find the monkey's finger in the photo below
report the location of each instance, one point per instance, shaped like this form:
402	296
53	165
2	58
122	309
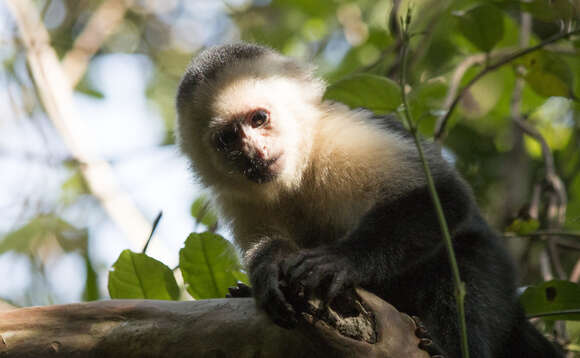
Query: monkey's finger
430	347
279	311
306	267
295	260
336	286
316	283
283	315
239	291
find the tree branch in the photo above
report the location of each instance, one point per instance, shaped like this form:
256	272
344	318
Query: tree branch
57	96
101	25
442	122
217	328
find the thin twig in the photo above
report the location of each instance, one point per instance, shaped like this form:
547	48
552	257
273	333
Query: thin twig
459	285
442	122
153	228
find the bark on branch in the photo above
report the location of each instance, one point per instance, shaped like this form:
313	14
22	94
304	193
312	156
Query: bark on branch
207	328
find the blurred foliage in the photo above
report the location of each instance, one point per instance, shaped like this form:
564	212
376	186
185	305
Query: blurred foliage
356	47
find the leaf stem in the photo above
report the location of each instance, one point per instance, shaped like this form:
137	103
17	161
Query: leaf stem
459	285
153	228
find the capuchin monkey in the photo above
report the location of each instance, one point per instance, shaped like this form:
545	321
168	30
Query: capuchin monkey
324	198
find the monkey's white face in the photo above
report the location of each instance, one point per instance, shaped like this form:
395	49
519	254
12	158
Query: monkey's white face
255	134
256	128
247	144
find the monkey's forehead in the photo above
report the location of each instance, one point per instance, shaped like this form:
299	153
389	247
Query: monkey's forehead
214	59
208	64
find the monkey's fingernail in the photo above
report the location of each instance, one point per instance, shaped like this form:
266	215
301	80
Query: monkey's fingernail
425	343
421	332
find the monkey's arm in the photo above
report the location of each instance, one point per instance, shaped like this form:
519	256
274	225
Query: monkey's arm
264	265
391	238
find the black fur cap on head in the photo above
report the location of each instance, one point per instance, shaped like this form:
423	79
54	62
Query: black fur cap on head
206	65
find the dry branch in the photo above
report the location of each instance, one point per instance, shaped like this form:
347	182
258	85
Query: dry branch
217	328
101	25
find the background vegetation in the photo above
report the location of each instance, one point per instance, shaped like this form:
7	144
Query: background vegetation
513	133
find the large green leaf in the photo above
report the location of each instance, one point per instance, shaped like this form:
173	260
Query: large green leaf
209	264
551	297
482	25
137	275
376	93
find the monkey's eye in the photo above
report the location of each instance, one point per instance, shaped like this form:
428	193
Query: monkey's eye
259	118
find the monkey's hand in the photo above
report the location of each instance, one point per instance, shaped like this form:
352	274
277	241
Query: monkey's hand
240	290
323	273
268	290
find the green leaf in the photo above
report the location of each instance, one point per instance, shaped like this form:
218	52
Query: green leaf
41	228
425	102
550	10
482	25
376	93
85	87
91	290
209	264
547	74
137	275
74	186
523	227
201	212
552	296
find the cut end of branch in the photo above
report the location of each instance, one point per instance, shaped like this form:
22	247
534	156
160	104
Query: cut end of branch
347	314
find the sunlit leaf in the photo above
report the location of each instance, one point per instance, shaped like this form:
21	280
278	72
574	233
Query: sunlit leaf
31	236
523	227
136	275
376	93
547	74
550	297
482	25
209	264
74	186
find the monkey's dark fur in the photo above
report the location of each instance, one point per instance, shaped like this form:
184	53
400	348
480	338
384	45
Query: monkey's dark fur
325	198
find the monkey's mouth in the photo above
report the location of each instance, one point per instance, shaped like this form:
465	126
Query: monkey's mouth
260	170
